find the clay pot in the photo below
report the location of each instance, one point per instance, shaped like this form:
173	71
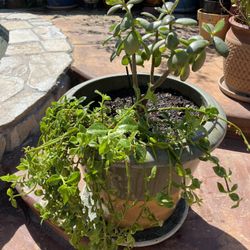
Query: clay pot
237	64
204	17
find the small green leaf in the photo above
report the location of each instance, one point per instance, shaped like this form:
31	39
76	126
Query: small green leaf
97	129
234	187
74	177
140	153
164	200
9	178
38	192
180	170
220	171
234	197
221	188
186	21
219	26
53	179
220	46
153	173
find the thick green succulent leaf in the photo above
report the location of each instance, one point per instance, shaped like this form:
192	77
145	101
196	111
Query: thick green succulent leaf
180	57
199	61
186	21
143	22
168	19
197	46
149	15
158	45
126	23
208	27
113	9
139	60
125	60
131	43
168	6
185	72
172	41
219	26
220	46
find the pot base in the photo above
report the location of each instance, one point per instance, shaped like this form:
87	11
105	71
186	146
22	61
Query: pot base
235	95
155	235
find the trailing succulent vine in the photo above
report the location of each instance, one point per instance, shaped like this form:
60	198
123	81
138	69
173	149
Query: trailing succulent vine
83	141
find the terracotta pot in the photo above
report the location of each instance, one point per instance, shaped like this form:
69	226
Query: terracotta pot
237	64
117	177
204	17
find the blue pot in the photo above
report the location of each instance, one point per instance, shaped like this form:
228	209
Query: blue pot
58	3
187	6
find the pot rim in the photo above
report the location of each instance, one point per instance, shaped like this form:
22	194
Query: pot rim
216	129
202	12
238	25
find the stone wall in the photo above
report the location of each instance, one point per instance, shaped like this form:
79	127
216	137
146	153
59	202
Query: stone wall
33	73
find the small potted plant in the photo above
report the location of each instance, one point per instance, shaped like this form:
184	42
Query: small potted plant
119	160
211	12
236	67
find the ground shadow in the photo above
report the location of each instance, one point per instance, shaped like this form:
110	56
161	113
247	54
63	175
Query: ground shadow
196	234
19	232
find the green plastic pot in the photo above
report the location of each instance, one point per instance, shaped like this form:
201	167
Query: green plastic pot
190	156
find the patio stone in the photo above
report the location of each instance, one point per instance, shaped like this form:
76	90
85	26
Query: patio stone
22	35
48	32
24	48
20	16
32	75
14	25
10	86
56	45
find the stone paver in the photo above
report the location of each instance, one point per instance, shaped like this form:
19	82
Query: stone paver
32	69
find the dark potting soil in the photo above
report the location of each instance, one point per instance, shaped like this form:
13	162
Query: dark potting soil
159	120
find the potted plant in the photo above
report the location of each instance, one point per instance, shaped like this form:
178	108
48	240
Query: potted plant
236	66
211	12
106	168
61	4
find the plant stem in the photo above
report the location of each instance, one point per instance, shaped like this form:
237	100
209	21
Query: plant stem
134	78
159	82
153	61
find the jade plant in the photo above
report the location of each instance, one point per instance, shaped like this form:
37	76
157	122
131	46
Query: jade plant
81	140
